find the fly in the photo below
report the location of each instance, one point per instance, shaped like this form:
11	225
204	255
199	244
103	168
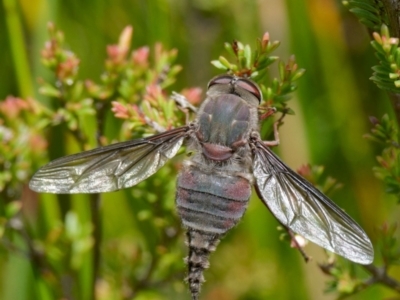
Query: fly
214	185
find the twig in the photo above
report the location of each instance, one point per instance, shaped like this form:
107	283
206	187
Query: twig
101	110
380	275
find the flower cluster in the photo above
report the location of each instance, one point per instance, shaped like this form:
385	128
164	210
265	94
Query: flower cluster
20	143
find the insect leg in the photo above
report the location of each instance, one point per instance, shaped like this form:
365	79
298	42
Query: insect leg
276	140
183	104
297	245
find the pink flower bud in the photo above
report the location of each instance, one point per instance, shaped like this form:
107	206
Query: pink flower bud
12	106
119	110
141	56
193	95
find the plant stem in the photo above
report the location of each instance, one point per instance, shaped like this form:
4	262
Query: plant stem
395	100
95	203
391	9
18	48
380	275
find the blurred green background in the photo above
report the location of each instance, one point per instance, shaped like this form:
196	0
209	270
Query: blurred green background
332	105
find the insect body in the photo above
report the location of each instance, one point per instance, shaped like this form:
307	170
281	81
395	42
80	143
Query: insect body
214	185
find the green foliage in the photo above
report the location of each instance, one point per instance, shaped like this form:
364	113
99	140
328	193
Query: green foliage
344	280
21	143
142	246
386	74
389	245
371	13
384	131
134	83
248	63
134	86
377	16
255	64
347	280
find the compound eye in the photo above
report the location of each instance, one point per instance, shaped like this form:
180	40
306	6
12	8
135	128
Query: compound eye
251	87
224	79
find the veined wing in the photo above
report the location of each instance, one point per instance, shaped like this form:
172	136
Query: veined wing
305	210
109	168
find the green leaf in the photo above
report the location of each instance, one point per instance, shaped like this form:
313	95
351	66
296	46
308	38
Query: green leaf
49	90
369	24
282	70
228	47
247	56
362	13
218	65
364	5
298	74
224	62
13	208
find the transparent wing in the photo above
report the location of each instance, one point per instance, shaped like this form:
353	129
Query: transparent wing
109	168
305	210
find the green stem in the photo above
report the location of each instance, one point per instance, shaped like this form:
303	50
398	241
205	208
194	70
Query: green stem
395	101
95	203
18	48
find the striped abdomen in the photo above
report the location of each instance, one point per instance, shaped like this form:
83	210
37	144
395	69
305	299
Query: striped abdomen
209	205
